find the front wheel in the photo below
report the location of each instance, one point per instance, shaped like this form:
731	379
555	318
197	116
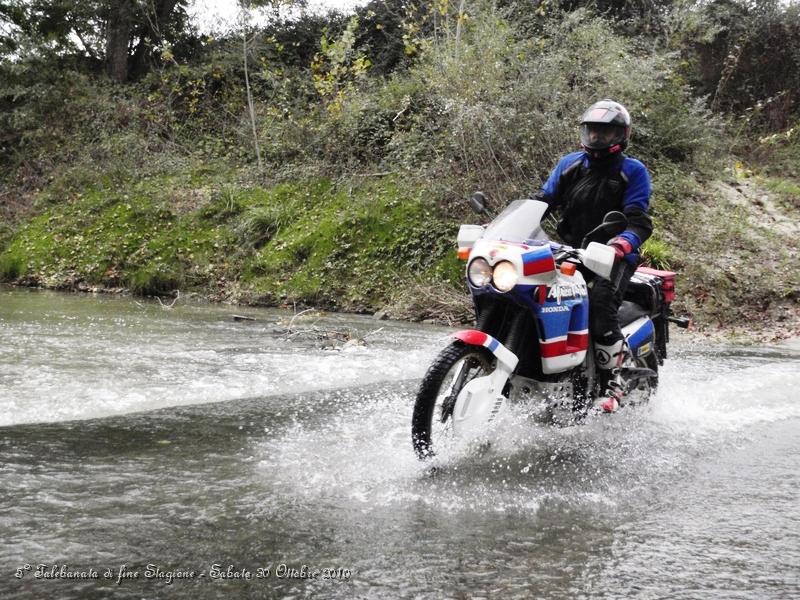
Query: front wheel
432	422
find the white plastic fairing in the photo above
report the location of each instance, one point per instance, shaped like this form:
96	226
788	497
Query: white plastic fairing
559	364
481	400
599	258
468	235
477	406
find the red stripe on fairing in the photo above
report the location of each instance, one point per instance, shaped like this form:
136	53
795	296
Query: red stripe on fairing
473	337
540	265
553	349
575	342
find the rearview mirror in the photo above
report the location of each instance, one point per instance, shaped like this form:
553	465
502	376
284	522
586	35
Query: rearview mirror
478	202
613	224
615	219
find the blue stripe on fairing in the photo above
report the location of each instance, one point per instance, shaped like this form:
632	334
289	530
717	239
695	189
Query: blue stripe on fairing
493	345
537	254
641	335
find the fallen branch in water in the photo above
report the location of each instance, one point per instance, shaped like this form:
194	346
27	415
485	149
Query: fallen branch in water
168	306
302	312
337	339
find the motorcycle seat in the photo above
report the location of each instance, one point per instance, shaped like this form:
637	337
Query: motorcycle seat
629	312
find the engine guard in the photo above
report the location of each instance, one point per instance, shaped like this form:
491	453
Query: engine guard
482	398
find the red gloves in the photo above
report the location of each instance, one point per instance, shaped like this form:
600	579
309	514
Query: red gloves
621	246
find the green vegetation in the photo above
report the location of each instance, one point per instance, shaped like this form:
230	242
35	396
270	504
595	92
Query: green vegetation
306	242
116	236
348	249
342	186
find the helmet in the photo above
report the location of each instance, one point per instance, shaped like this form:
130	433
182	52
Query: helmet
605	129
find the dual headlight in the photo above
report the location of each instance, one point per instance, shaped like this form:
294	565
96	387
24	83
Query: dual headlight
503	275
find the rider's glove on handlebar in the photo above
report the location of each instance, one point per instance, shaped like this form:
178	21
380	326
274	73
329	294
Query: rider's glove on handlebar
621	246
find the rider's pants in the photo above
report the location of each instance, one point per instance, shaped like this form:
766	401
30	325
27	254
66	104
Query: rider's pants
605	298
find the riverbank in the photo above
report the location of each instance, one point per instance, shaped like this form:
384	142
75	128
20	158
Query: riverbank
354	247
379	245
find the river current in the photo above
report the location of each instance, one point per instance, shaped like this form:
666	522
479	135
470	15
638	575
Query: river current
149	452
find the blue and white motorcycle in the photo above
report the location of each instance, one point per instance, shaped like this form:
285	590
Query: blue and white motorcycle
531	341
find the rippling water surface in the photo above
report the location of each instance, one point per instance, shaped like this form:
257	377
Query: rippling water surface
132	435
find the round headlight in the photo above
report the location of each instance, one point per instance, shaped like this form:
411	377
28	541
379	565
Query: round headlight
479	272
505	276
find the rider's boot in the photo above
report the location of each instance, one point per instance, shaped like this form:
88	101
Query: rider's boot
609	359
611	397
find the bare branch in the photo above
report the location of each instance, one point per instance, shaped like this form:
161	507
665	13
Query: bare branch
168	306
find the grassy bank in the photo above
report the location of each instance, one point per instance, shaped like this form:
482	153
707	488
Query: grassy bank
354	246
379	243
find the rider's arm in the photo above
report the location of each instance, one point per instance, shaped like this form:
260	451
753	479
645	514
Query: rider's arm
551	190
636	202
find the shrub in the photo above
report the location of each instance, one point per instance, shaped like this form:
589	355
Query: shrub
154	280
12	267
656	253
497	108
750	63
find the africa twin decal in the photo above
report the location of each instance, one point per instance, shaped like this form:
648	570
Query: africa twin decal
569	290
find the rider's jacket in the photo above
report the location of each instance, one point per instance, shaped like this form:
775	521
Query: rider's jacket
586	190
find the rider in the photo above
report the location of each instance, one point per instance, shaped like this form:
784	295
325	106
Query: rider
586	185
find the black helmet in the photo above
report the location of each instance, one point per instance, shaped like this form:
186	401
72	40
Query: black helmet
605	129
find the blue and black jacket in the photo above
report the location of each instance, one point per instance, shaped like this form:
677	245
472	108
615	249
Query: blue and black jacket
585	190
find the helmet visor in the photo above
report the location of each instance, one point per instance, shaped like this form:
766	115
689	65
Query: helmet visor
599	136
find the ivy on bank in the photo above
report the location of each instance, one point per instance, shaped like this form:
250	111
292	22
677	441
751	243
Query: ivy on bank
351	246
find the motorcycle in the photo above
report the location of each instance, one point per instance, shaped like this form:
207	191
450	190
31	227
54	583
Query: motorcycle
531	340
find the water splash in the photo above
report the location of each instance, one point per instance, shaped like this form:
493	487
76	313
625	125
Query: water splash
75	364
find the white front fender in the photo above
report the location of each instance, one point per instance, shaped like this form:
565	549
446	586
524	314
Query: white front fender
481	400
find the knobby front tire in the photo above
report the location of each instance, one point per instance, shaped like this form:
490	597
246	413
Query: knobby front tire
456	365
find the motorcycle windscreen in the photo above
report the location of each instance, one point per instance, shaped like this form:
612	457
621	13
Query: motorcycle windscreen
519	221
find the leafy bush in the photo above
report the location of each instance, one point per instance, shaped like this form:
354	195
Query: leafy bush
12	267
751	63
155	280
656	253
485	106
777	154
367	149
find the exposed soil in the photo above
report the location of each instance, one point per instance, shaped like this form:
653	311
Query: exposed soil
739	263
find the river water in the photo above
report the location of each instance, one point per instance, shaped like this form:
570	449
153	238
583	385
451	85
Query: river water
142	446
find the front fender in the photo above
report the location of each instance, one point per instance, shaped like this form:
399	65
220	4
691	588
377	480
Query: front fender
479	402
505	357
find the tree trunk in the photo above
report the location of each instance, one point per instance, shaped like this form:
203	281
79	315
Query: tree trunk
164	9
120	19
250	95
157	16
